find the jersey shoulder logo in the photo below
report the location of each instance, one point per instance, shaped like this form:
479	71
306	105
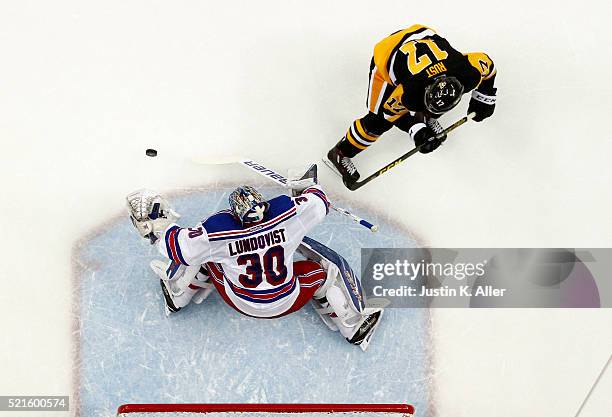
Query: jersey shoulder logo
481	62
484	66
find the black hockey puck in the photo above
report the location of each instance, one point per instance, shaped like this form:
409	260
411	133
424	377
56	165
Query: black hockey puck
151	152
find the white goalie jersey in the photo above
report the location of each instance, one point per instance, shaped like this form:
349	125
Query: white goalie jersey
256	262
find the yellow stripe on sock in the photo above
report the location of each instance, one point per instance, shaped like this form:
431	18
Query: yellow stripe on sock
363	132
353	142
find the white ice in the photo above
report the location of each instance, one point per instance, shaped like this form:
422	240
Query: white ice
86	87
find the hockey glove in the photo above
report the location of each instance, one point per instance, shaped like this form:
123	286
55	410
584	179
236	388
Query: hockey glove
435	125
298	180
150	213
424	138
482	104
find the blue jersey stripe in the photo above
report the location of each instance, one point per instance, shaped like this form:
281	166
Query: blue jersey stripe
240	236
167	241
319	194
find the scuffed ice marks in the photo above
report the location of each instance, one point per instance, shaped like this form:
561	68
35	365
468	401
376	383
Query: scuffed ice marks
130	352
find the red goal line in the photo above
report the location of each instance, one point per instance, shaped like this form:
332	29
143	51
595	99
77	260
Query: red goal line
401	409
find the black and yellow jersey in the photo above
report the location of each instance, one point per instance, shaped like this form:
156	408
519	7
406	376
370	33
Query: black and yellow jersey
409	59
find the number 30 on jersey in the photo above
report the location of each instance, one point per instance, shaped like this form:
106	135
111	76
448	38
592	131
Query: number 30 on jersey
271	264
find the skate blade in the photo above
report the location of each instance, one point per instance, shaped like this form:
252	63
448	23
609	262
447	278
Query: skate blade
331	166
366	342
348	184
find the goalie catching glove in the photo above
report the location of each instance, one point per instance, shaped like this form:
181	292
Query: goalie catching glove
150	213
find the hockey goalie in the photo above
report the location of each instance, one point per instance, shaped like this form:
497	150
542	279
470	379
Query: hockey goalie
247	254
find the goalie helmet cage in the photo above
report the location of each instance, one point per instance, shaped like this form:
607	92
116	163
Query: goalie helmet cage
298	410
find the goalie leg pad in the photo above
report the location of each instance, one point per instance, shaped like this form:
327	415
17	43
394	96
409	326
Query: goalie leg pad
349	282
181	284
202	284
340	300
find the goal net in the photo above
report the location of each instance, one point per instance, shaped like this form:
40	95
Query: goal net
266	410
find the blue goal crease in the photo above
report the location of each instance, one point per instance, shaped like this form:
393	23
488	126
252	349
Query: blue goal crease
130	352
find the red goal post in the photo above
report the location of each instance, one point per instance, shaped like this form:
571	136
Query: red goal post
362	410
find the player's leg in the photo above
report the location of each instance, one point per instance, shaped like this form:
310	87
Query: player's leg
339	301
217	279
365	131
310	276
181	285
361	134
336	306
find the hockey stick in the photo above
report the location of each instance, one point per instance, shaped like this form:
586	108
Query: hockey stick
358	184
277	178
281	180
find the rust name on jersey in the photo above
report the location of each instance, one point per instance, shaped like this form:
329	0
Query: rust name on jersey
435	69
252	244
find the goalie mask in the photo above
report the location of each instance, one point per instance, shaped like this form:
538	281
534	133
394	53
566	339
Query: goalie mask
150	213
443	94
248	205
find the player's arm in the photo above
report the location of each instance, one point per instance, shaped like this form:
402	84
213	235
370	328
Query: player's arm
309	198
312	206
484	95
186	246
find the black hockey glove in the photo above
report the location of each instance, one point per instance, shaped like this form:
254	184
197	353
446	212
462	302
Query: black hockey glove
483	104
424	138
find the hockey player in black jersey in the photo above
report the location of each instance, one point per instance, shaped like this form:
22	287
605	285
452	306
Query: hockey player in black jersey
415	77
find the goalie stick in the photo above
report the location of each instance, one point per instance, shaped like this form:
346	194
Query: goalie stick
277	178
281	180
358	184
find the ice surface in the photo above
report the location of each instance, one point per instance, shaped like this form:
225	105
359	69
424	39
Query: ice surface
131	353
